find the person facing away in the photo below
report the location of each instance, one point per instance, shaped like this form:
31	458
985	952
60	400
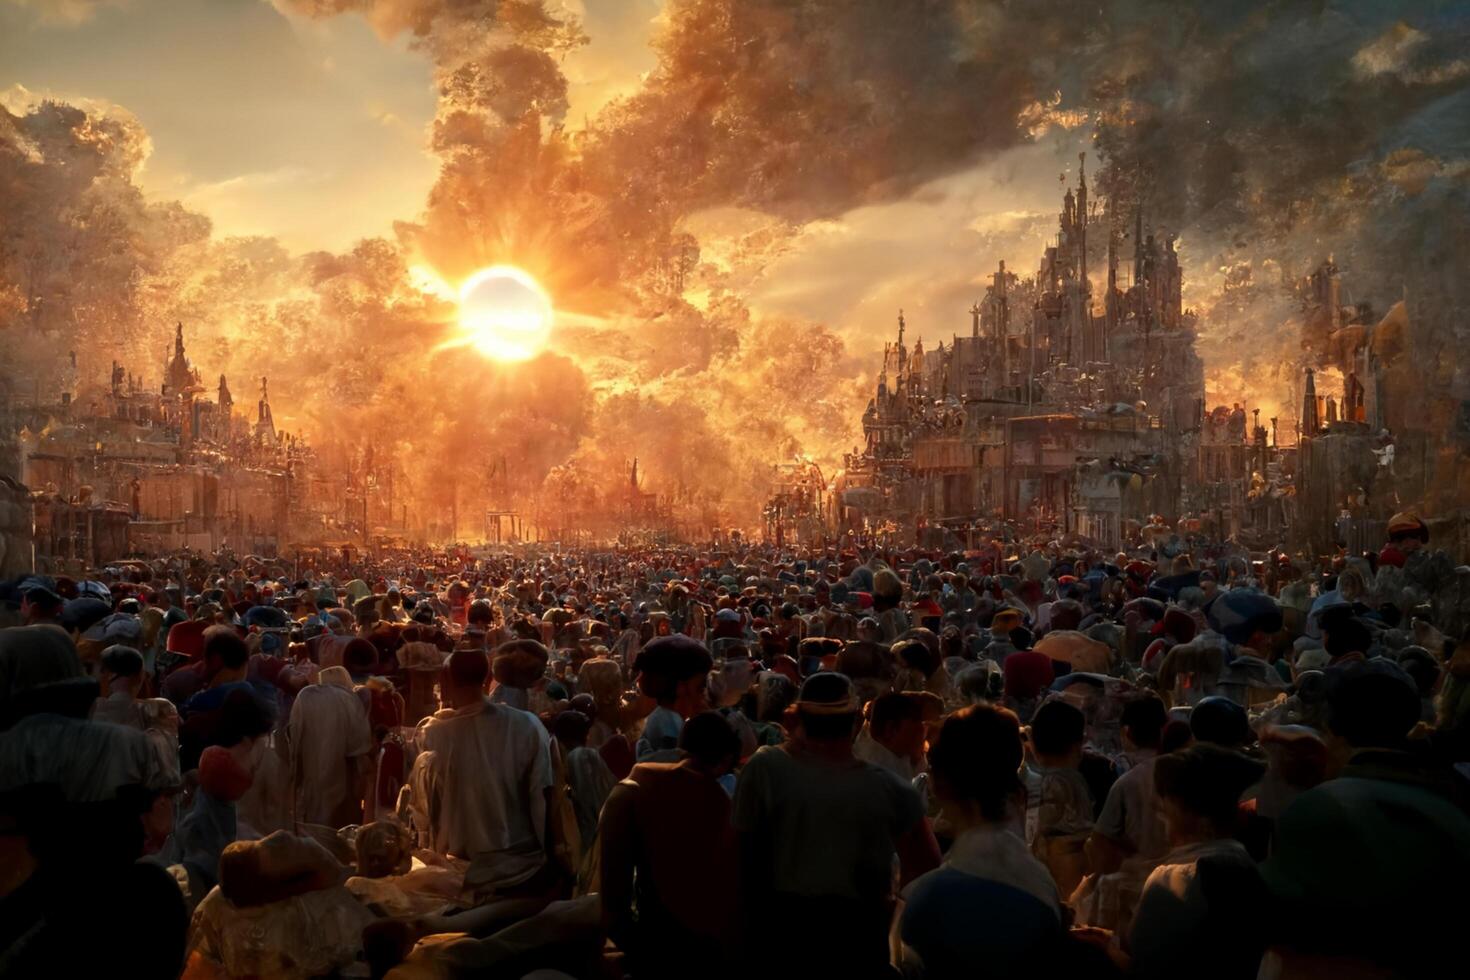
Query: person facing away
482	783
991	909
1130	824
589	780
1199	912
1059	812
670	876
820	834
1383	841
121	679
330	743
674	671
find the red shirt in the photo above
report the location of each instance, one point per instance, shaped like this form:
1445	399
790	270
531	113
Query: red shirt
687	847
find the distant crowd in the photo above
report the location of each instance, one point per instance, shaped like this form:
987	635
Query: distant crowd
756	761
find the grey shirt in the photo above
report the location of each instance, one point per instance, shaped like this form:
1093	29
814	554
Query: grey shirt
830	830
1130	815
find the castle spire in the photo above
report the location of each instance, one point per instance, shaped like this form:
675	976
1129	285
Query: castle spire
1311	422
1082	221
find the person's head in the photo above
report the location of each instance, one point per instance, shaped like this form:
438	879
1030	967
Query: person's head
1407	532
827	708
1058	730
1066	614
1177	625
480	614
674	671
896	721
366	613
1199	790
1209	586
1004	621
1421	667
1343	633
1142	722
887	589
121	670
39	604
1350	585
816	652
1175	736
916	655
1370	705
359	657
1220	721
571	729
710	743
1247	618
465	674
384	848
244	721
1021	638
975	761
223	649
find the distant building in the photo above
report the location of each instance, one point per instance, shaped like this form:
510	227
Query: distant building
1065	408
160	468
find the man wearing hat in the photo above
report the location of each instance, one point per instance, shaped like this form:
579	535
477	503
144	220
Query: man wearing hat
39	605
819	831
1406	535
1001	624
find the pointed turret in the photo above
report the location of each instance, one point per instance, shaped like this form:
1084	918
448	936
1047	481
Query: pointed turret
1311	422
1082	218
265	424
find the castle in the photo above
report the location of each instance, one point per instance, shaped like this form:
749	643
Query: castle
127	468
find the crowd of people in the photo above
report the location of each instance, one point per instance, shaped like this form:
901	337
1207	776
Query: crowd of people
1176	761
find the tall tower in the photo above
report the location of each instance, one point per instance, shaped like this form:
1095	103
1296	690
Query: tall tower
265	424
903	354
1082	221
1311	422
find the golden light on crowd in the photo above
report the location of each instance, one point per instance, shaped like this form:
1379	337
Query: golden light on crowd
505	314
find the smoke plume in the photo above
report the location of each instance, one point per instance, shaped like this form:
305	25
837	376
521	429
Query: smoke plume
1265	137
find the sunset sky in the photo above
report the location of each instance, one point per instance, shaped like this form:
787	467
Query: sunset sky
314	131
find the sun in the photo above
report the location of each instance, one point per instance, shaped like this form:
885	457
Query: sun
505	314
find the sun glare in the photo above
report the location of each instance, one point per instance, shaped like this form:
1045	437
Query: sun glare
505	314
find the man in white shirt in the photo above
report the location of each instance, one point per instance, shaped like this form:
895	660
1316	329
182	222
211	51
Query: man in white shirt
1130	824
482	783
330	744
